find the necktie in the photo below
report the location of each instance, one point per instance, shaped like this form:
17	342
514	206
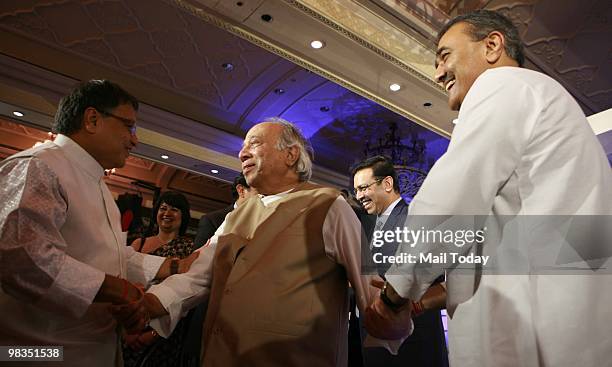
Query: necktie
379	223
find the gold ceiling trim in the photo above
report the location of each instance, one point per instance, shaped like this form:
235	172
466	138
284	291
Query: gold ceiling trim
288	55
362	35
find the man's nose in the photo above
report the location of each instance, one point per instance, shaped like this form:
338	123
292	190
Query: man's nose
440	74
243	154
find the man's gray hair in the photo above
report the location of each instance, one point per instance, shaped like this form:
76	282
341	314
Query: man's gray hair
292	136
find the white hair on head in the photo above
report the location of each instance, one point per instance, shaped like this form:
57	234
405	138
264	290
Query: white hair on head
292	136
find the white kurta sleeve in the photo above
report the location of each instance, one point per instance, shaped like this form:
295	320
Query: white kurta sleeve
495	123
344	238
181	292
141	268
34	264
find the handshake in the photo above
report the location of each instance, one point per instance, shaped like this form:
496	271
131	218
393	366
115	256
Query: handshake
386	320
132	313
131	306
389	317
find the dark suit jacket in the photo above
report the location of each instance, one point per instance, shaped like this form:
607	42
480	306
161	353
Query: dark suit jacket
426	346
209	224
397	218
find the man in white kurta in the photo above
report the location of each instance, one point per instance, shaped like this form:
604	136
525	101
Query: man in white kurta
521	147
61	243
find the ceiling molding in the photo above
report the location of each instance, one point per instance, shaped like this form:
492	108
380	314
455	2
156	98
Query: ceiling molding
398	45
439	121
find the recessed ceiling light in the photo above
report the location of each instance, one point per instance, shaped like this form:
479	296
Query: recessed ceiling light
279	91
163	156
395	87
18	114
316	44
215	171
227	66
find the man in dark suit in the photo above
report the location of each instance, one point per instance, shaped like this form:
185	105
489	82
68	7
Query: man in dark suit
377	189
211	221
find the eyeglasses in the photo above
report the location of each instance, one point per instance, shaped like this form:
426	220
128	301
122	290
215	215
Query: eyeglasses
129	123
365	187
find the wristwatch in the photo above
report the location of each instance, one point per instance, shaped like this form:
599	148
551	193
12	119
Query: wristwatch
395	306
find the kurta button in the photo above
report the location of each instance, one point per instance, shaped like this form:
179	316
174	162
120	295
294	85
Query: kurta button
228	291
217	331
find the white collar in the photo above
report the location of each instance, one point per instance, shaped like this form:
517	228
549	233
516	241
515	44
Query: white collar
80	156
391	207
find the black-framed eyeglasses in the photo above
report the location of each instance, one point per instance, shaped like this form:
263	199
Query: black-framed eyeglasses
365	187
129	123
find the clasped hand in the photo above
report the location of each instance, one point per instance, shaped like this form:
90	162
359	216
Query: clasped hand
133	314
384	323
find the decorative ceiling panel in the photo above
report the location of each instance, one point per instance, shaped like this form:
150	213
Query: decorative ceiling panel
175	50
570	40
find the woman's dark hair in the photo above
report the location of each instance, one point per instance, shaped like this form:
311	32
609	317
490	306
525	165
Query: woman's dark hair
177	200
103	95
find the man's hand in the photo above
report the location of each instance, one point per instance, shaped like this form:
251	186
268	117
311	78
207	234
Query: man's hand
185	263
133	315
138	342
118	291
384	323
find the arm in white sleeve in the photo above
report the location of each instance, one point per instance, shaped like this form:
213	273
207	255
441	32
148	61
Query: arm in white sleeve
34	264
485	150
181	292
343	239
141	268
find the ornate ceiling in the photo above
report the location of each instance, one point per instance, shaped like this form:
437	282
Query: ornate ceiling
206	70
568	40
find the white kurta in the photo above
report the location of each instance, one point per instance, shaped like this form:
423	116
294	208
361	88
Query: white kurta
521	146
60	232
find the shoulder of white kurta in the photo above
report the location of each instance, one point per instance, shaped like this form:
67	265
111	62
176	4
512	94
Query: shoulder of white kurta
508	81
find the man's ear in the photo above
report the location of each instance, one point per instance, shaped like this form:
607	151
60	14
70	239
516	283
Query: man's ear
494	46
388	184
292	155
91	119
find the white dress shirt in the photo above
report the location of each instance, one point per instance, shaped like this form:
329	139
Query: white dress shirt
382	218
60	233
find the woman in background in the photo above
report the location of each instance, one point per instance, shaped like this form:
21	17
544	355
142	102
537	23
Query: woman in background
172	217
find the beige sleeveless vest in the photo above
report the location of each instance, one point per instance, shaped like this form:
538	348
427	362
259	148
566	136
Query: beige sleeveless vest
277	299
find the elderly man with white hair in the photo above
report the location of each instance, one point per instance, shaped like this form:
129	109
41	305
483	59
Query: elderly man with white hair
277	271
